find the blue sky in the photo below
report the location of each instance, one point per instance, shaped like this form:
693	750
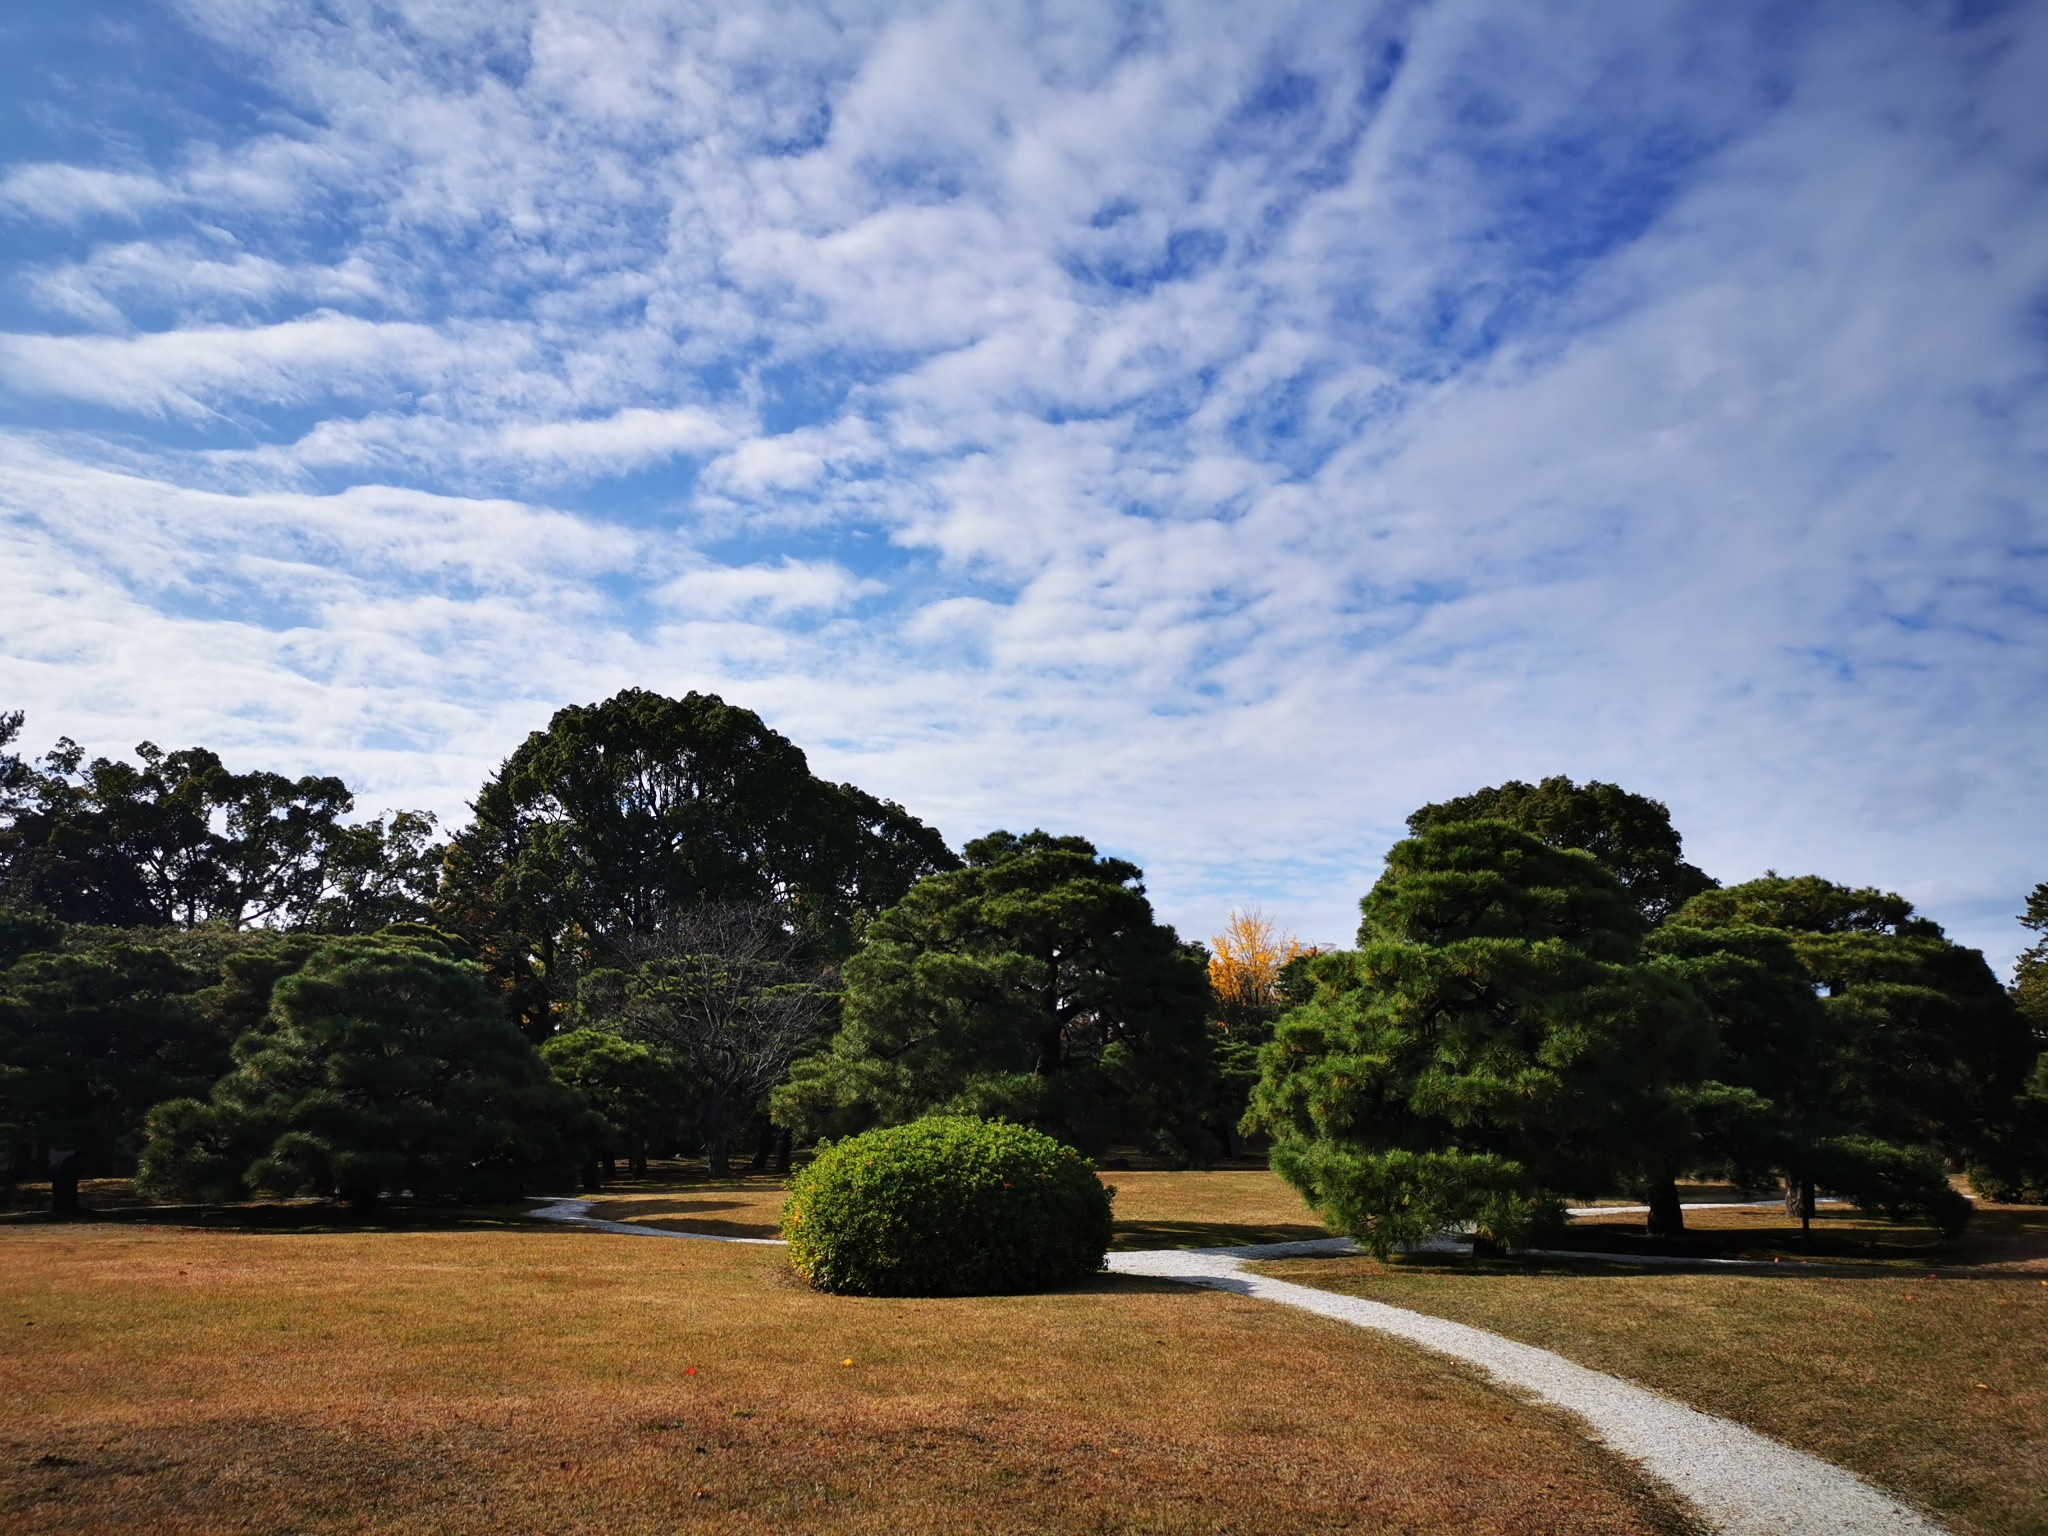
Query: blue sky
1215	429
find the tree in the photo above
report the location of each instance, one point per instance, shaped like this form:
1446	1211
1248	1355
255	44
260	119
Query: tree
1034	985
640	1092
2012	1164
385	1067
1631	835
2030	975
734	992
1495	1041
1248	964
88	1042
620	813
1761	1107
1921	1054
179	840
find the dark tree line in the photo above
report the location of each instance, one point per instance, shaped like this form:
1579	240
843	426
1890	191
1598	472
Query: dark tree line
661	930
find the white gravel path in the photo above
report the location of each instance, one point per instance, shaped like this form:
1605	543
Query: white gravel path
1739	1482
577	1214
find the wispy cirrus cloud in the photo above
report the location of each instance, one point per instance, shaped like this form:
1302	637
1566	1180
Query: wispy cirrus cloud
1214	429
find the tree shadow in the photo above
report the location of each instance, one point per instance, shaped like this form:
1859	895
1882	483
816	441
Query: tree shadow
1211	1234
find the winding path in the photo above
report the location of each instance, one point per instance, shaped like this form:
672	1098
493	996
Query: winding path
1740	1482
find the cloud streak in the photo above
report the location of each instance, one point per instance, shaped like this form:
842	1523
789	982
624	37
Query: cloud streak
1214	429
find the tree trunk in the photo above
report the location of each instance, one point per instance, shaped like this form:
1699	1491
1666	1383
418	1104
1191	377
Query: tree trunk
64	1187
783	1139
638	1162
611	1166
361	1202
1667	1216
592	1179
1799	1200
764	1148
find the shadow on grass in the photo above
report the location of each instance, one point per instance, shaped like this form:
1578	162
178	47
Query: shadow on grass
296	1216
1995	1235
1210	1234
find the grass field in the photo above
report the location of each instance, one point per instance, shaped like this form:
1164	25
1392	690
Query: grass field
283	1369
1155	1208
516	1379
1930	1381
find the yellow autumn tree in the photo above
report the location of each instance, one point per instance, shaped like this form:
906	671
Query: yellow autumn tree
1244	971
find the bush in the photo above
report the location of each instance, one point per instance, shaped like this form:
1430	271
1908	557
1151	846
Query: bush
947	1206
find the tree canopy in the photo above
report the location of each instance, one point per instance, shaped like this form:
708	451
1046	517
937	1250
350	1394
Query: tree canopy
88	1042
384	1067
177	839
1630	834
624	811
1033	985
1919	1053
1494	1042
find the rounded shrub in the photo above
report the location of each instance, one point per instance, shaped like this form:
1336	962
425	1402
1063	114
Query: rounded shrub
946	1206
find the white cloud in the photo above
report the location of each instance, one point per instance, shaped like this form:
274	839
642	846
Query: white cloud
1216	430
65	194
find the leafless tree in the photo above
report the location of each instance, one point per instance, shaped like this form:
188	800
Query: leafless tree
737	991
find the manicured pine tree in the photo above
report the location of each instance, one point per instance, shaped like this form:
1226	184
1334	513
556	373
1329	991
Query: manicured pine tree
382	1068
1035	985
1495	1041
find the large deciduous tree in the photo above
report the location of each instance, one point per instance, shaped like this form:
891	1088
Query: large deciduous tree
1033	985
178	840
1495	1041
1249	966
1630	834
620	813
734	992
382	1068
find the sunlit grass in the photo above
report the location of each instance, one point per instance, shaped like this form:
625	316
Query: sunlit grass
518	1379
1934	1387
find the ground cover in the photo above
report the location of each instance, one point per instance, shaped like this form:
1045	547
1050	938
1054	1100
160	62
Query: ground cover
511	1379
1930	1381
1840	1233
1155	1207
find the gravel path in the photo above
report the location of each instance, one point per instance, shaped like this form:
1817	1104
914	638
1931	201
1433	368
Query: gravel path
1739	1482
577	1214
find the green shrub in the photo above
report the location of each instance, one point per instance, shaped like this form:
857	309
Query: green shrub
947	1206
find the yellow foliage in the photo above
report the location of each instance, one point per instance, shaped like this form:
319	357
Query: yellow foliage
1245	962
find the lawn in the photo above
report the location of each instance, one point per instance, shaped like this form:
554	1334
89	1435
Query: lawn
1155	1208
513	1379
1930	1381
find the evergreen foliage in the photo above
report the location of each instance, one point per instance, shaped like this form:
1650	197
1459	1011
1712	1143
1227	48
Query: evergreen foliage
1034	985
384	1067
640	1093
947	1206
1495	1041
621	813
1922	1046
88	1042
178	840
1631	835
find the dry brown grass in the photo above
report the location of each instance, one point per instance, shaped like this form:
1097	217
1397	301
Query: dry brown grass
174	1380
1216	1207
1211	1208
1934	1387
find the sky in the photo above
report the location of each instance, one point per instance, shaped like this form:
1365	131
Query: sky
1213	429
